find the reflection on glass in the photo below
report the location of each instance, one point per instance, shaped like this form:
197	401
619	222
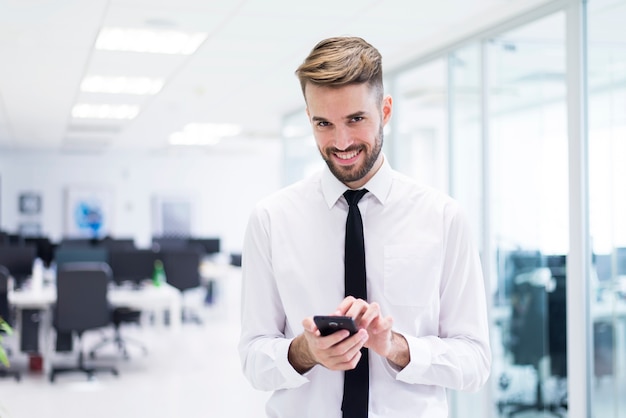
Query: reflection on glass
529	190
607	204
420	112
466	174
466	133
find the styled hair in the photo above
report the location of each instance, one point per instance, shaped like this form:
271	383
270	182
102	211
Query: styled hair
341	61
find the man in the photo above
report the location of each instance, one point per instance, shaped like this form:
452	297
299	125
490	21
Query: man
423	319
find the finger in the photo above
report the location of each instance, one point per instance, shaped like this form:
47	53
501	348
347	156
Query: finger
347	361
345	305
381	325
345	355
336	337
309	325
357	309
371	314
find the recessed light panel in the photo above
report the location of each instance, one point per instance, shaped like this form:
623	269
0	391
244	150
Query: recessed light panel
104	111
121	85
149	41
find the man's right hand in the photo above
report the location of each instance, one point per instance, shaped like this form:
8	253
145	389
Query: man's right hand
337	351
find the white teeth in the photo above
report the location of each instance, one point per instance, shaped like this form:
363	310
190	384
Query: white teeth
347	156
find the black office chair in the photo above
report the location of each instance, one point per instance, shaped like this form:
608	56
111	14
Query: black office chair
5	314
128	265
82	305
121	315
182	269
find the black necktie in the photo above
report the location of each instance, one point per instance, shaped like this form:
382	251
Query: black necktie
356	382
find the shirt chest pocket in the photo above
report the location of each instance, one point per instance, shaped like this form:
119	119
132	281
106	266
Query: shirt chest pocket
412	273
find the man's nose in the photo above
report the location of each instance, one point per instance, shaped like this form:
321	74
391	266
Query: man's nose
343	138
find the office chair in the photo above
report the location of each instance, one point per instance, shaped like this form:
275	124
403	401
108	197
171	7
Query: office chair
182	269
82	305
5	314
129	265
64	255
18	259
121	315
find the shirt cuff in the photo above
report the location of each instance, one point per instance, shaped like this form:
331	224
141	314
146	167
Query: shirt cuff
421	359
293	379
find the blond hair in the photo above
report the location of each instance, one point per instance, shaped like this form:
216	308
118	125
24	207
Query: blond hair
340	61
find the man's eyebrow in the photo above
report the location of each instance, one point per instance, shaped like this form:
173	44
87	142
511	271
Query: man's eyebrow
356	114
360	113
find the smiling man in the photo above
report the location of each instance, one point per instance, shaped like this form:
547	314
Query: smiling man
419	305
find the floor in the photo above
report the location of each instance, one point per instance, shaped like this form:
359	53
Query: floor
194	373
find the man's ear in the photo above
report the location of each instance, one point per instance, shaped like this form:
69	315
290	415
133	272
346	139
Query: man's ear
386	109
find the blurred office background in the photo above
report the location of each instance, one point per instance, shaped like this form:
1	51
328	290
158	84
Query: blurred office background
517	108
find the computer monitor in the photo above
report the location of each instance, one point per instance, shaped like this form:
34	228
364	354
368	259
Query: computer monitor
78	242
116	244
169	243
132	266
207	245
64	255
19	261
45	248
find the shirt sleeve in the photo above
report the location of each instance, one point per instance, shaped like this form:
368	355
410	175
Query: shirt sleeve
263	347
459	357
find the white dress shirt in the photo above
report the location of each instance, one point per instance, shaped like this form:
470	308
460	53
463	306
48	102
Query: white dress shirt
422	268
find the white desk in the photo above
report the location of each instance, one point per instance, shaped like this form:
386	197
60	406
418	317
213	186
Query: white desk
147	298
158	300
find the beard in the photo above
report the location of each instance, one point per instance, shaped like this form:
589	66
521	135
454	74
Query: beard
349	174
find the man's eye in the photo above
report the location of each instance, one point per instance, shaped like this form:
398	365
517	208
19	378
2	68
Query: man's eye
357	118
322	123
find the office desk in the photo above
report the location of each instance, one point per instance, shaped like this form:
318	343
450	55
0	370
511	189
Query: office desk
35	306
147	298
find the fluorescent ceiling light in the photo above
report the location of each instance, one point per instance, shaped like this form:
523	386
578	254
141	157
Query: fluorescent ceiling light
121	85
204	133
104	111
151	41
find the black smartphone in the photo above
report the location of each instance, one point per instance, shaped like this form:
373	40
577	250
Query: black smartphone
329	324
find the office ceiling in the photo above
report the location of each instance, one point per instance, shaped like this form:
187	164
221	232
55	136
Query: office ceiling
242	73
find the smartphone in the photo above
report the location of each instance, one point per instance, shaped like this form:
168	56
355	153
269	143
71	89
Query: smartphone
329	324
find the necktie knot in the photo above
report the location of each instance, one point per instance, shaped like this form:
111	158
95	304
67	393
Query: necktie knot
353	196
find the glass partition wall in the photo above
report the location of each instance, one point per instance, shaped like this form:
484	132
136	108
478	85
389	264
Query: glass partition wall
466	133
607	203
420	115
529	216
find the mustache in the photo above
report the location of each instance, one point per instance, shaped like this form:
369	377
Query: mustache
349	149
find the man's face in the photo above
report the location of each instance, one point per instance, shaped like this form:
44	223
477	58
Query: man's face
348	128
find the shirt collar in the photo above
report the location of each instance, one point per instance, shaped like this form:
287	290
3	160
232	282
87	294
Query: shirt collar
379	185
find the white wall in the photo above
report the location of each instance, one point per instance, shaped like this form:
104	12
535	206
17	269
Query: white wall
226	185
